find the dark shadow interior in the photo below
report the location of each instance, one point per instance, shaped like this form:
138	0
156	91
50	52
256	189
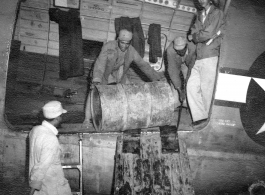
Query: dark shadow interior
33	80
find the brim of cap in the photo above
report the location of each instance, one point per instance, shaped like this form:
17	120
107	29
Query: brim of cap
179	47
125	39
51	116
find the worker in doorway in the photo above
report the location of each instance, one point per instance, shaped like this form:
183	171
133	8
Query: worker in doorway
201	82
115	59
46	175
180	56
113	63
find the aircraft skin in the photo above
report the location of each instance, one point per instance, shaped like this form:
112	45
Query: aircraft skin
223	158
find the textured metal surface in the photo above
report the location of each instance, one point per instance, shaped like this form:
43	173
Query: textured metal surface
150	171
7	15
122	107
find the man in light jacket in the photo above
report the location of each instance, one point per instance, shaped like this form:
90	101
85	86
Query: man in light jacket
46	175
200	85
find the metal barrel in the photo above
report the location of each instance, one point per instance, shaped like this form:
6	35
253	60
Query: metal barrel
134	106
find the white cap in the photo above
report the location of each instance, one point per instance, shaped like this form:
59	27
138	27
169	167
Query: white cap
125	35
180	43
53	109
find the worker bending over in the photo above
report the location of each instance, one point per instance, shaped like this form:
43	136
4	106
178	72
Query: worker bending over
113	63
180	57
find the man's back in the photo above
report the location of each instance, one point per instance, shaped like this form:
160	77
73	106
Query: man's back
45	170
42	138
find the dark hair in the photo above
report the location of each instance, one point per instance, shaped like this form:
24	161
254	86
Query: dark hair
49	119
41	117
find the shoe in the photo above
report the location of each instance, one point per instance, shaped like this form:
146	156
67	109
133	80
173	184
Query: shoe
200	124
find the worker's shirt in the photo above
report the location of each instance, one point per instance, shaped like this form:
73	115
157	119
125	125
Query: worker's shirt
106	63
203	31
117	73
183	58
45	170
174	62
205	13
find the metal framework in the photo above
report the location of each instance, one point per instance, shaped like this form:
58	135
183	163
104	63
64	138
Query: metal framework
78	166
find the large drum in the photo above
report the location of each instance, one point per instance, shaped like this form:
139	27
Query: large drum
122	107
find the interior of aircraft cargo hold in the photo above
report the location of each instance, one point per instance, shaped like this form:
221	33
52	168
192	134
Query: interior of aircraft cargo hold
132	97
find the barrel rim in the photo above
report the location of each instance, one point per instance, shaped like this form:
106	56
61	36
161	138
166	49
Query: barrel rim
97	127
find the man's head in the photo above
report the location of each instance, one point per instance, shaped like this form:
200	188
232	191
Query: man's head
124	39
205	3
53	111
180	43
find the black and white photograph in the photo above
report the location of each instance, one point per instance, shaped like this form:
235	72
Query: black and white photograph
132	97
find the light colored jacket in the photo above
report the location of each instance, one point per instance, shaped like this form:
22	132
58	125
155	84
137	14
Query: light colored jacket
106	62
45	170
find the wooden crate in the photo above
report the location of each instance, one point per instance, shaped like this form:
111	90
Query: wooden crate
39	4
95	9
34	14
34	24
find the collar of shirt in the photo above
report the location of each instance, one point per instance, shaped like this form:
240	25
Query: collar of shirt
207	11
184	57
120	57
50	126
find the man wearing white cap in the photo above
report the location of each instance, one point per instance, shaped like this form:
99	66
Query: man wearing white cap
113	63
180	56
115	59
46	175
